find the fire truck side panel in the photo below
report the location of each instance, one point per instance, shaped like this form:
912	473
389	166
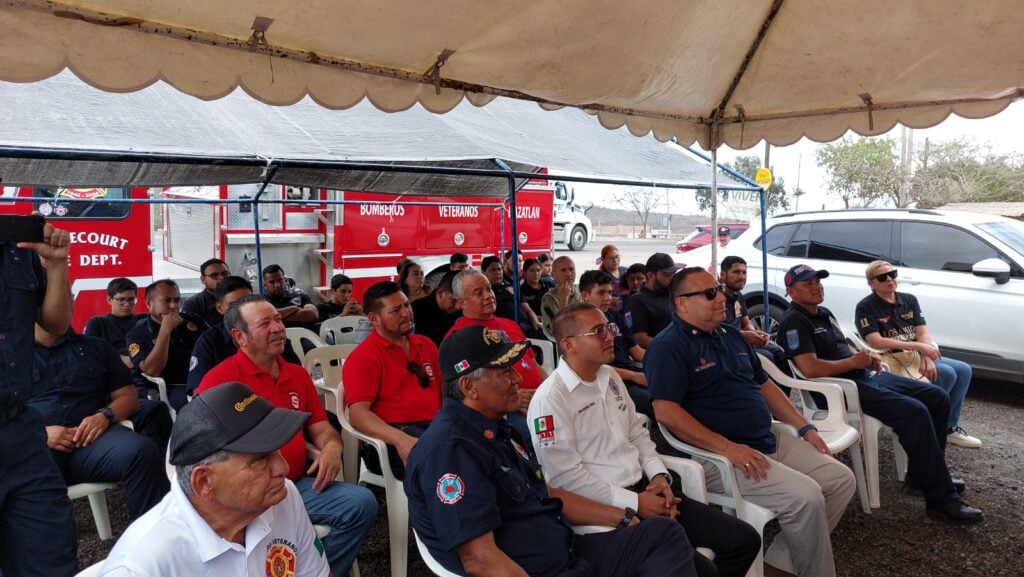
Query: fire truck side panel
108	240
534	212
457	227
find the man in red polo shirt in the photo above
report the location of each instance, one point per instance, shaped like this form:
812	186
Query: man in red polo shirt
473	292
348	509
392	379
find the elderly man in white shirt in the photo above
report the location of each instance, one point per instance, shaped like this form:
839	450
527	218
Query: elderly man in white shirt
232	511
590	440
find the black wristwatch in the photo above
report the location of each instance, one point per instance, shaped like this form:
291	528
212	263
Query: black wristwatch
108	413
627	517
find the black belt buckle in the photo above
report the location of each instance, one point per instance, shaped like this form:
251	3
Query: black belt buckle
8	413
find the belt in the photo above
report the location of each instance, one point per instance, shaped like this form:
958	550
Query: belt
8	413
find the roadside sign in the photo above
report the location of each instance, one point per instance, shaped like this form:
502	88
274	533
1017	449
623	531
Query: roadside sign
763	177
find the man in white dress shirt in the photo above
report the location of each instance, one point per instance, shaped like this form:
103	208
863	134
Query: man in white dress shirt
590	441
232	510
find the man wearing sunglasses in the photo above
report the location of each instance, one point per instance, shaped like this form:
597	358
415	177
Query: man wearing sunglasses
890	320
708	387
916	411
391	380
591	441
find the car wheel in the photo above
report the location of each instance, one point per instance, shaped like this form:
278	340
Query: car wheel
577	238
756	314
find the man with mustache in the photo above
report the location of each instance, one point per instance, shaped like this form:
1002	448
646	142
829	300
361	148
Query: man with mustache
348	509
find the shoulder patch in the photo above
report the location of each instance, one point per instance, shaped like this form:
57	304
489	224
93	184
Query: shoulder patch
450	488
133	349
793	339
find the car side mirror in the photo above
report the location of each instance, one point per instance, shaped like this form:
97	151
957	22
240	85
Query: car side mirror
992	268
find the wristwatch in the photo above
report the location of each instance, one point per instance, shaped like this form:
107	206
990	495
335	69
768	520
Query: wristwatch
627	517
108	413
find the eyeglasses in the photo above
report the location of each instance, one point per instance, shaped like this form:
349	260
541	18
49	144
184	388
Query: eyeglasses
421	375
709	294
125	301
221	274
601	332
886	275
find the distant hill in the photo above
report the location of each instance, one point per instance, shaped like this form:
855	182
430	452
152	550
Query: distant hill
680	223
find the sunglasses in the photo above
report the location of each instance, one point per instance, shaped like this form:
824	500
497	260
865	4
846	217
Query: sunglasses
601	332
421	375
709	294
886	275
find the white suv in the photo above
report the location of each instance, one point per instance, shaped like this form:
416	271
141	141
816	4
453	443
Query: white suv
966	269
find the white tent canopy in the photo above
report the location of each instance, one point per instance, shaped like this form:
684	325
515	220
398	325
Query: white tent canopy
64	114
728	71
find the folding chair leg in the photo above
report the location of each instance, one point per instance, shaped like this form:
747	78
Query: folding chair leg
398	532
98	504
901	459
869	438
858	472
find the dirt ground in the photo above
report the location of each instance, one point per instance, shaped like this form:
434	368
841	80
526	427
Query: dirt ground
897	539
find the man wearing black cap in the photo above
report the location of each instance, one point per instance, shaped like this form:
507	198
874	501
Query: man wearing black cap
916	411
480	504
232	505
724	236
650	310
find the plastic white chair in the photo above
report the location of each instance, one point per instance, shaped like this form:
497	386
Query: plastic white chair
90	571
549	353
729	499
330	359
398	503
868	426
296	336
435	567
341	330
833	426
161	389
97	499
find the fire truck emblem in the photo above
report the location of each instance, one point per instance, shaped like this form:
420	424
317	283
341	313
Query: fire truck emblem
459	239
46	209
383	239
82	193
522	238
61	210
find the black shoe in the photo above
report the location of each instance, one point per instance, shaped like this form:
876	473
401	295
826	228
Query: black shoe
912	488
955	512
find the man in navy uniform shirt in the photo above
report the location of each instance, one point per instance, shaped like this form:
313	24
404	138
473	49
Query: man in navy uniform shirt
709	390
122	294
916	411
82	390
204	304
161	345
35	513
481	506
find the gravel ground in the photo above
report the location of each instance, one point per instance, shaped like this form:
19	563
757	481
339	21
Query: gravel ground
897	539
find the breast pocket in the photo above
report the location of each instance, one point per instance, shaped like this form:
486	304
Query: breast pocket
513	485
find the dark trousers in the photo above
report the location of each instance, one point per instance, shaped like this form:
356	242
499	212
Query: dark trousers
735	543
37	530
641	399
656	547
917	412
119	455
153	420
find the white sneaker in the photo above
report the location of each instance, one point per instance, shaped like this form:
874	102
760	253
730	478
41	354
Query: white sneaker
958	436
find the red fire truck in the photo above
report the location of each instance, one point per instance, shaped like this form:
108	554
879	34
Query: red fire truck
318	234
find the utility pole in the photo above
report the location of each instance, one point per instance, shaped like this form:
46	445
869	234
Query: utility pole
798	192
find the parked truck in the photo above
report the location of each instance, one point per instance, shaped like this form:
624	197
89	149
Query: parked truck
570	224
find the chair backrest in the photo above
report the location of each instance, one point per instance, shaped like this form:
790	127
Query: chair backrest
329	359
301	339
549	356
344	330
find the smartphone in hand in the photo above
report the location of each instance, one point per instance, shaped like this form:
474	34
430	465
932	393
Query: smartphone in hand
16	228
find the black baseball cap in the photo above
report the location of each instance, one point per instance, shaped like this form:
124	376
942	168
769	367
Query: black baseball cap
660	262
723	230
475	347
230	417
802	272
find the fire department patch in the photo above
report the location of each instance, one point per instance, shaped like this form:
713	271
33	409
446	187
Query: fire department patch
489	434
280	561
133	349
191	327
295	399
450	488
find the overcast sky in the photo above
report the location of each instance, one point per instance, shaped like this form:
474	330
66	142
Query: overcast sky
1004	133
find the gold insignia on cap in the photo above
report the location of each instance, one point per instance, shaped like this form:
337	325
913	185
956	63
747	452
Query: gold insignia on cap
509	355
492	337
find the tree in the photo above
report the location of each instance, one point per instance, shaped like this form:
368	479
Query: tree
863	171
775	200
963	171
642	199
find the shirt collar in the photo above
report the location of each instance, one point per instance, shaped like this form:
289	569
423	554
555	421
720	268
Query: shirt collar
900	300
573	380
474	420
210	545
822	311
692	331
249	368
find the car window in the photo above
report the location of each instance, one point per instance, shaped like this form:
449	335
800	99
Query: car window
798	246
851	241
934	246
69	203
776	239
